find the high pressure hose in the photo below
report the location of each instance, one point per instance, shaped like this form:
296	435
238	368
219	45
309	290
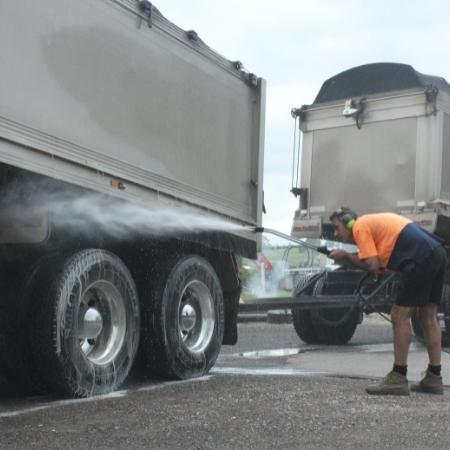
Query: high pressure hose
321	248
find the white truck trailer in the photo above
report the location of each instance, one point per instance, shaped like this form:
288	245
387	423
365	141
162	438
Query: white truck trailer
107	98
376	139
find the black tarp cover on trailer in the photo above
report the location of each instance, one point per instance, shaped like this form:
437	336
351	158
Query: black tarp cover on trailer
376	78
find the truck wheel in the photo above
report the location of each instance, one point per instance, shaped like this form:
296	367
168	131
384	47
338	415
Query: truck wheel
330	326
445	308
85	329
15	343
417	328
301	318
183	320
333	326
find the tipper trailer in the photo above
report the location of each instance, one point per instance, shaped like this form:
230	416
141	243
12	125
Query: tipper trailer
375	139
106	104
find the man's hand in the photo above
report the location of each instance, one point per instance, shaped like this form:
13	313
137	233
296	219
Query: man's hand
339	256
342	257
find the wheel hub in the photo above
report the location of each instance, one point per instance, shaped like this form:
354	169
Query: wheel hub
91	324
188	318
101	322
196	316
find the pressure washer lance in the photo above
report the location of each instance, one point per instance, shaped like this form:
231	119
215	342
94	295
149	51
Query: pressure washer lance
321	248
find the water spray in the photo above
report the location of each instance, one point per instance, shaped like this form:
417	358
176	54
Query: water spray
321	248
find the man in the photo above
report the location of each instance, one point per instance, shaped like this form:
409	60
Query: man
387	241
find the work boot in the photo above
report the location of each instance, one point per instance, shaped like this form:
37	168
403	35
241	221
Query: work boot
430	383
393	383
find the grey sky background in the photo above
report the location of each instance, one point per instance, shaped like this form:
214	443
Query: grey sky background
296	45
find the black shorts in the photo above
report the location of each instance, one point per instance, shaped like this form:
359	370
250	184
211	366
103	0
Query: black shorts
425	282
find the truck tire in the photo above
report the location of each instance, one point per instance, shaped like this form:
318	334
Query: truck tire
445	308
301	318
85	328
417	328
327	326
183	319
15	342
333	326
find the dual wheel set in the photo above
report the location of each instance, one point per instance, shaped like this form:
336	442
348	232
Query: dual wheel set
78	325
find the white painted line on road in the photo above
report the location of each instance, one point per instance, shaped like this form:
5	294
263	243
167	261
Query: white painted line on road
58	403
116	394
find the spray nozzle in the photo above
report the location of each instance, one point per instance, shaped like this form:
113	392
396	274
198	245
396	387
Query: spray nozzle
254	229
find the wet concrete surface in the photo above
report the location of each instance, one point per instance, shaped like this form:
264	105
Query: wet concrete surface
369	354
269	391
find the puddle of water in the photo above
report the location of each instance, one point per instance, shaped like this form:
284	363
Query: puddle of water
266	371
376	348
382	348
270	353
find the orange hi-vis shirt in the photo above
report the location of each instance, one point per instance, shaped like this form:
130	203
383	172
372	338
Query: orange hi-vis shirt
376	235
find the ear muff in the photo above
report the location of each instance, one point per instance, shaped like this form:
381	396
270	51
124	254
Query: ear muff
347	217
349	224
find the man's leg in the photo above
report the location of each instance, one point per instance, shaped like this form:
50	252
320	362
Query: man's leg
401	326
432	381
431	332
396	383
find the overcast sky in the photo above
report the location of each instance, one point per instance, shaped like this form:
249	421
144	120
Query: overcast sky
296	45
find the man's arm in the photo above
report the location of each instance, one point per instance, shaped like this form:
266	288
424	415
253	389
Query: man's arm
343	257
